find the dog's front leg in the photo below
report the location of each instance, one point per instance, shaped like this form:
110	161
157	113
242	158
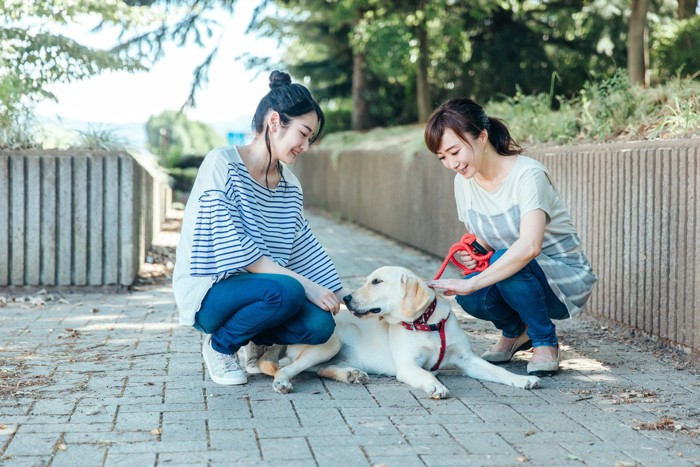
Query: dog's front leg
413	375
309	356
478	368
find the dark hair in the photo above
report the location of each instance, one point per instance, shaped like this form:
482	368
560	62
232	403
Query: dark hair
289	101
463	115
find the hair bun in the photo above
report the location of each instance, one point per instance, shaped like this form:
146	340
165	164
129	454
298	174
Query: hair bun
279	78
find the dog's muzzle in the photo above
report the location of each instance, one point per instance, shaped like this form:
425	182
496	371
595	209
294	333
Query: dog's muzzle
361	313
348	302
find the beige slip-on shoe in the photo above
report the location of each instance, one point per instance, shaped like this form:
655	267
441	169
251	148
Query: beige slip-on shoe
521	343
544	368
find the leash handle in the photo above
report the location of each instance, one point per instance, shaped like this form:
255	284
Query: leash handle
469	244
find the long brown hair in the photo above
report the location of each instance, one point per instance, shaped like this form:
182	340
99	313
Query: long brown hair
463	115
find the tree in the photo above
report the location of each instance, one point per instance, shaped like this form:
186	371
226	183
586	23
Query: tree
35	52
172	136
32	56
637	47
687	8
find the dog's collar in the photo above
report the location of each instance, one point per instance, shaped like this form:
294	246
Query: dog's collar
421	324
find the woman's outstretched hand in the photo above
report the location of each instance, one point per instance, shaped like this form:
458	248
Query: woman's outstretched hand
453	286
322	297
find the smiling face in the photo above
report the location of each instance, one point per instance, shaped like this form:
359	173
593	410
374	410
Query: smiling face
290	140
393	293
463	155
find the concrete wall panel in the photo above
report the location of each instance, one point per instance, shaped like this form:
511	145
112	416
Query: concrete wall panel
76	217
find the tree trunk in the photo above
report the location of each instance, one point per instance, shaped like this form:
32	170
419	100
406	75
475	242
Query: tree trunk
361	118
637	53
687	8
422	86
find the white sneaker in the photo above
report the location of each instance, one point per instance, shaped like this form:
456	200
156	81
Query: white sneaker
250	354
223	369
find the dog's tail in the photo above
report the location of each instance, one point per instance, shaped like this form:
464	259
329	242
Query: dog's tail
269	368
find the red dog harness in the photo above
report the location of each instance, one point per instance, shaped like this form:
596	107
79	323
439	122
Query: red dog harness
482	262
421	324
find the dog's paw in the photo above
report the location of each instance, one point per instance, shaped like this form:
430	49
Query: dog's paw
357	377
528	382
282	387
438	392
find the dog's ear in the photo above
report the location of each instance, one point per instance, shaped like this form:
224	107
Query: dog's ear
415	299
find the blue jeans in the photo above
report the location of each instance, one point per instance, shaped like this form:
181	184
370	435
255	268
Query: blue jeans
525	298
265	308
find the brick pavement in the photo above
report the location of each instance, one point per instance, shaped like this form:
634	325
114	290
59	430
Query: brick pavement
98	379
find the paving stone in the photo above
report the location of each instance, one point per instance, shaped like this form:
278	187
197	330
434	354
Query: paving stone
138	421
31	444
130	460
192	430
324	440
403	461
289	448
340	455
83	455
235	439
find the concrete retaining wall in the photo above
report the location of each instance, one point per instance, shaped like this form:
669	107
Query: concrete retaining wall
74	218
635	205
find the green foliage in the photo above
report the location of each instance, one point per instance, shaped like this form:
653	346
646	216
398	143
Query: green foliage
20	132
676	49
607	105
101	138
36	54
33	56
609	109
671	110
337	113
171	135
478	48
530	118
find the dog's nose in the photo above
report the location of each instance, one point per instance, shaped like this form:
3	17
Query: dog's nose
347	299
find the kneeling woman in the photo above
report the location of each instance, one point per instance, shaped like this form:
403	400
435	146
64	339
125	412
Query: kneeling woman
538	271
248	266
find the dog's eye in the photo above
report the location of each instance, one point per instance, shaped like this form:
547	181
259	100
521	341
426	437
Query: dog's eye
376	281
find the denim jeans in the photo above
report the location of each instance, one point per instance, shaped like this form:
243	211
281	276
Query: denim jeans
265	308
523	299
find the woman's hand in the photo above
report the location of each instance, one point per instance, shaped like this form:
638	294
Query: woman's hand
321	297
465	259
340	294
453	286
316	294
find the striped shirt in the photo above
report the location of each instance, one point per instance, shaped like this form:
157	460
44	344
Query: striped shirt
231	221
495	217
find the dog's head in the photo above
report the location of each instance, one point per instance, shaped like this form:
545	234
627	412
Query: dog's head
394	293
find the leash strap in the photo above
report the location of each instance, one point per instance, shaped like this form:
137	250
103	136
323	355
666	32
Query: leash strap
465	244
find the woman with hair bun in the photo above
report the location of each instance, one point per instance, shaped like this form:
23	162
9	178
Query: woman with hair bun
248	267
538	271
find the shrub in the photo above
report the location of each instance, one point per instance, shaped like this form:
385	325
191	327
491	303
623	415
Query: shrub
676	49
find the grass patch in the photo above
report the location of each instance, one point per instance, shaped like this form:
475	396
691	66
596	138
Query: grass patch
604	111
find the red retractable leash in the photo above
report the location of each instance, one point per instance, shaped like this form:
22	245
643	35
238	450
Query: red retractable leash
469	244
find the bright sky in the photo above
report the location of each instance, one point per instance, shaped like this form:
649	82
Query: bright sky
119	98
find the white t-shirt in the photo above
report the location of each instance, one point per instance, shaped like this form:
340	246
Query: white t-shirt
495	217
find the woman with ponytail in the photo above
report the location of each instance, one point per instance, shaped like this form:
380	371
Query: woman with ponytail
538	271
249	269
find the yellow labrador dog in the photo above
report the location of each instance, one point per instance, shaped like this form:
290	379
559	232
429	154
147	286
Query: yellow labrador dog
399	327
